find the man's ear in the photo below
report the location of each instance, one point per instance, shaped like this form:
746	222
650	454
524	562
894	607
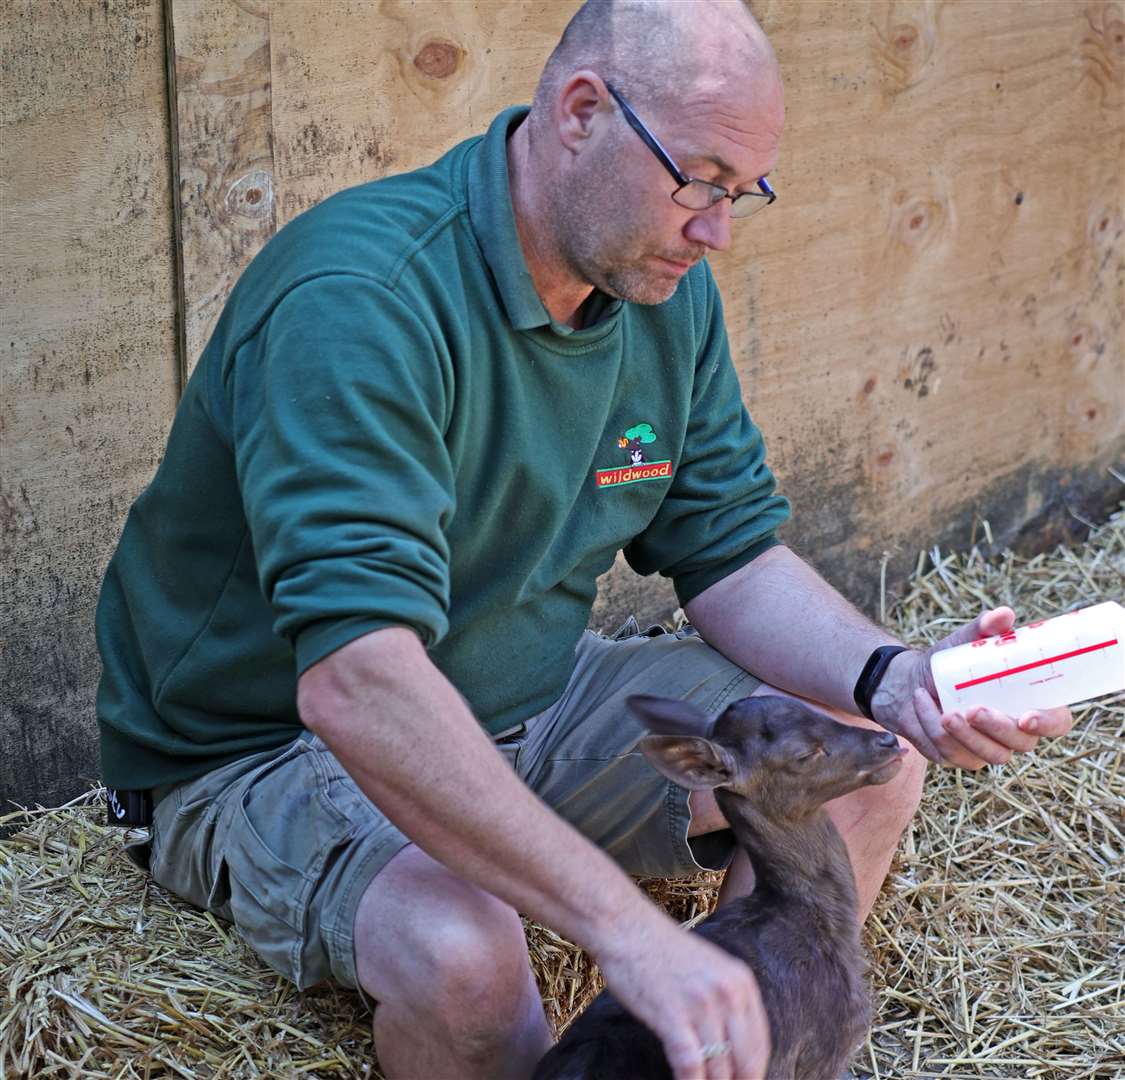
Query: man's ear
691	761
578	103
668	716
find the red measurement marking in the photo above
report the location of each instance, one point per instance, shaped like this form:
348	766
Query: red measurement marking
1035	664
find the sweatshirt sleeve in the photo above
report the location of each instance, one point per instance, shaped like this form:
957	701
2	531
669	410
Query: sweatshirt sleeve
338	406
722	509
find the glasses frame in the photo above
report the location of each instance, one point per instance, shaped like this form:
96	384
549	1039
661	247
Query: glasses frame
653	143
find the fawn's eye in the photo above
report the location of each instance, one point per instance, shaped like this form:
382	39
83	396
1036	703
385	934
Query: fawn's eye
811	753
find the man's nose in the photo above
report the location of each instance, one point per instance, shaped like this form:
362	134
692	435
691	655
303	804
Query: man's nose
710	227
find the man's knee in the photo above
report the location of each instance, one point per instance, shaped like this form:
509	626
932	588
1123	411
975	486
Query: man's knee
909	785
434	944
884	813
477	968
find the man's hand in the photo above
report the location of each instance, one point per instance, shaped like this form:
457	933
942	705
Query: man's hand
692	994
906	703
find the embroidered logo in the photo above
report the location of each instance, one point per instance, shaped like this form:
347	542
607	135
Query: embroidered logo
639	467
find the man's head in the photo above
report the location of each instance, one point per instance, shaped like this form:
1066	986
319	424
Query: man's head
703	79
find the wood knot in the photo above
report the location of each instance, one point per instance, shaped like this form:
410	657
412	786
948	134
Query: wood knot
1115	33
1087	343
905	37
1103	53
904	51
1104	224
438	59
251	195
918	220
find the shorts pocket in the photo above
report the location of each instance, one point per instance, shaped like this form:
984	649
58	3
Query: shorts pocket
187	850
283	831
511	748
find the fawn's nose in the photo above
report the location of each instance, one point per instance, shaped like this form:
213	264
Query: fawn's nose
887	739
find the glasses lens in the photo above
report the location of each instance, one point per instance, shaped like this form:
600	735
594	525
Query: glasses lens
749	202
698	195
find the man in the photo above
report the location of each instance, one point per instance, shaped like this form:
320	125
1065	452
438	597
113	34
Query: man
433	410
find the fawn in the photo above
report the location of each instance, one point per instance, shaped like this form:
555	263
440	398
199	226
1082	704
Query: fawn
773	762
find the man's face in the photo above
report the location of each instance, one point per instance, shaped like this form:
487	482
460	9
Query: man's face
618	226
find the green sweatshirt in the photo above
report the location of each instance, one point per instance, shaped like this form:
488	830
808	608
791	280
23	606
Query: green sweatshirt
388	429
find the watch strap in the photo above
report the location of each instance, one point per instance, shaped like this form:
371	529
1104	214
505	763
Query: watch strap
872	674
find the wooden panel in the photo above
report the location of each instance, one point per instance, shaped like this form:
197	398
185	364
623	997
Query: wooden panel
930	325
363	89
89	372
225	151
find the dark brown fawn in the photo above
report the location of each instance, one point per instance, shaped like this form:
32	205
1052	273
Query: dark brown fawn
773	764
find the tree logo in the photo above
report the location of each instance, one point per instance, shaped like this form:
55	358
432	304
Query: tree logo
633	438
639	467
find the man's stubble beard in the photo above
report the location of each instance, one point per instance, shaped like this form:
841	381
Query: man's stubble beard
603	247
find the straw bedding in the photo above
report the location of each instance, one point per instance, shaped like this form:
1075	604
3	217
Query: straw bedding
998	943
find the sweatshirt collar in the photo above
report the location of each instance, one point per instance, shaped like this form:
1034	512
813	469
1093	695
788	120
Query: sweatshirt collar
493	222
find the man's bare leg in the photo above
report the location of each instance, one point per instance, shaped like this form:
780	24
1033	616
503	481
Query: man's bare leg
447	965
871	821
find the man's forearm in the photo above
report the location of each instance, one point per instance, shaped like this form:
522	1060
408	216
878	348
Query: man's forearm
411	744
778	618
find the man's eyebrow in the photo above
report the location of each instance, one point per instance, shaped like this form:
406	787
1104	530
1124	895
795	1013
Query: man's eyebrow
725	167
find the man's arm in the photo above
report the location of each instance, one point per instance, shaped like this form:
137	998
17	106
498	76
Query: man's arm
408	739
778	618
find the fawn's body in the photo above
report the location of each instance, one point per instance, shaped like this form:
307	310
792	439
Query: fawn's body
773	764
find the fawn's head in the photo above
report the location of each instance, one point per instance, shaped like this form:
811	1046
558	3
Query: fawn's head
785	757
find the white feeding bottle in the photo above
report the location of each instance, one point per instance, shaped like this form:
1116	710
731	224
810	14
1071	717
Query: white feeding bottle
1059	661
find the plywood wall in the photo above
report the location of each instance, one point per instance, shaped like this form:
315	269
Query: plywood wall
928	323
89	380
930	328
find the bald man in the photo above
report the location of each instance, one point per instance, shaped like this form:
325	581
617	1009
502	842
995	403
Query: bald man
343	635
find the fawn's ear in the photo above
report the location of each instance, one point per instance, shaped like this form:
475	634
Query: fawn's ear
690	760
668	716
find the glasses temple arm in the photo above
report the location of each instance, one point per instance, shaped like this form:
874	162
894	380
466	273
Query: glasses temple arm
650	140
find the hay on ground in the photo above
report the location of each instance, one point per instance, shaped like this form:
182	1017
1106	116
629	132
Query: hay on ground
998	942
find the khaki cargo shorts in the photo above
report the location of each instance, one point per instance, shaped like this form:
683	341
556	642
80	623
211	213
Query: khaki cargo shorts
283	844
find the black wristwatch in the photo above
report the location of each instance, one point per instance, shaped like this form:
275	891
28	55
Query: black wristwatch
872	674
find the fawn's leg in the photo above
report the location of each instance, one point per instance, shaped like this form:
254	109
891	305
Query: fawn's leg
447	964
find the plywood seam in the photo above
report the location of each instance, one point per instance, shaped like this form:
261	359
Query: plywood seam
174	184
273	128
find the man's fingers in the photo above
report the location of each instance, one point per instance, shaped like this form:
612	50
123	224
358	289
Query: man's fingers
1049	723
721	1057
989	623
708	1053
1001	729
749	1038
949	747
994	622
946	747
719	1030
977	743
718	1059
928	727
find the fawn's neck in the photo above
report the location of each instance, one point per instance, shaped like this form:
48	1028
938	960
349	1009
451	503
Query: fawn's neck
801	861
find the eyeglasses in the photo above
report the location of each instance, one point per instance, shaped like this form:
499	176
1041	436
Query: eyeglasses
695	194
